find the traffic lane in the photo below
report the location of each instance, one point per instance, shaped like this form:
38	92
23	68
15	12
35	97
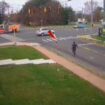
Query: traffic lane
3	40
76	32
29	34
85	56
63	47
88	52
95	59
32	37
98	49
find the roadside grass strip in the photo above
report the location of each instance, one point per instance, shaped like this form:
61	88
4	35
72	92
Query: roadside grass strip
25	61
88	37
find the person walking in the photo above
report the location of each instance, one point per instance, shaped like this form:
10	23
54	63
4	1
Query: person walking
74	47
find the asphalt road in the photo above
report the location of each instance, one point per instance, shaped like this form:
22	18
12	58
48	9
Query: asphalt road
89	55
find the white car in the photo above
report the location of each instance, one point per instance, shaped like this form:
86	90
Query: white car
43	31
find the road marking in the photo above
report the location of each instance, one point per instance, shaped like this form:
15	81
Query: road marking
46	40
49	40
61	38
68	38
10	37
86	44
80	45
94	51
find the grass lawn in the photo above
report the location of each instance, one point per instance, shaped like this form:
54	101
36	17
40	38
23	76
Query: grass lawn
45	85
102	38
19	53
48	84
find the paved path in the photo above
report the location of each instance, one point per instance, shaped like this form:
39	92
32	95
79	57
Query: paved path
79	71
25	61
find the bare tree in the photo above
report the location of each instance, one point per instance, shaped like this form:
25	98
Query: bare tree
3	7
90	6
98	14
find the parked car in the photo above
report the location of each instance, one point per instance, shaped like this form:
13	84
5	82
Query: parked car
9	27
80	25
2	31
43	31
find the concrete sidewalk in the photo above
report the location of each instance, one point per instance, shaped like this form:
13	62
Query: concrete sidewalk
79	71
25	61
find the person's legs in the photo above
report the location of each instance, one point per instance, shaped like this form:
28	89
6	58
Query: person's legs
73	52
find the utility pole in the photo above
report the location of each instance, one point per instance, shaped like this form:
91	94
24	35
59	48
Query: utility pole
92	12
104	8
82	13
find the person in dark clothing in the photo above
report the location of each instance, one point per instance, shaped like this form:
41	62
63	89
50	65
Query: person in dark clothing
99	31
74	47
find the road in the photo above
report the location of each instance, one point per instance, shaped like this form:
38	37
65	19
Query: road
89	55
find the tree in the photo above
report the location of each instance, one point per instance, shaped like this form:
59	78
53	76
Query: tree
98	14
68	15
89	8
45	12
3	7
41	12
79	15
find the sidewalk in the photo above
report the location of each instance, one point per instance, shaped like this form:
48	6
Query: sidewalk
25	61
79	71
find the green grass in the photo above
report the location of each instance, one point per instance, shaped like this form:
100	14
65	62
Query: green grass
42	84
101	38
19	53
45	85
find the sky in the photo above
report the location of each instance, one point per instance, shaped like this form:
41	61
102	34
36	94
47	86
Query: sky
79	4
75	4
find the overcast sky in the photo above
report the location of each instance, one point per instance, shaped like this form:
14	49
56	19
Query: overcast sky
75	4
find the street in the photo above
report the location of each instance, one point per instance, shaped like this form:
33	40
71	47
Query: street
89	55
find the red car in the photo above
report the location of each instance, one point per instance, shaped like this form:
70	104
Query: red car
2	31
